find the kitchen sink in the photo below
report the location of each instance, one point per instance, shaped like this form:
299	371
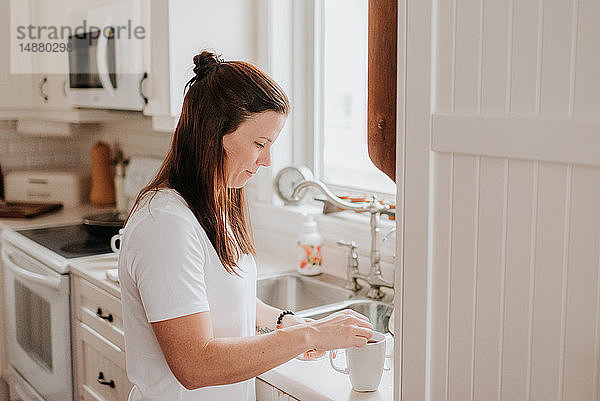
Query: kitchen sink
319	296
377	312
298	293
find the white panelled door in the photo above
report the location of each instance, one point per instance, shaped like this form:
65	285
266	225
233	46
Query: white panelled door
499	133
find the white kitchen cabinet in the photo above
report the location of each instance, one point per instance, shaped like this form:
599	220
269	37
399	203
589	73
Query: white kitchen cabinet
266	392
180	30
15	89
99	344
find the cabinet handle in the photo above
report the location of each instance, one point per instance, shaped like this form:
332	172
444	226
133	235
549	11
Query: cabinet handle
43	93
107	317
101	380
144	97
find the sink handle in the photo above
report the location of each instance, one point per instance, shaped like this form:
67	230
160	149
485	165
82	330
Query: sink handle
350	244
353	256
352	266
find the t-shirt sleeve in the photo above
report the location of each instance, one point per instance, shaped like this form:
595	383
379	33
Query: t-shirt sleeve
167	259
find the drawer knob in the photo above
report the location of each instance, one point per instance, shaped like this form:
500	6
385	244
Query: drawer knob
101	380
108	317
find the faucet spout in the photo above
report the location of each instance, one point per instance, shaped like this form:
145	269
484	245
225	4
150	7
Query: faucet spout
334	199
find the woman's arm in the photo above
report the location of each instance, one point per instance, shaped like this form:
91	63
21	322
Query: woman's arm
197	359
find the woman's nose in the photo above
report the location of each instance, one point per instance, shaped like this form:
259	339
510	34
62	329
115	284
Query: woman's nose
264	159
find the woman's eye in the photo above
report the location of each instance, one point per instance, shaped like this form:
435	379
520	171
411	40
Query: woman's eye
260	145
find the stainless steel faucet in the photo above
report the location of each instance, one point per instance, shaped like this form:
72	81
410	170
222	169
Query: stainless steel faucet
374	208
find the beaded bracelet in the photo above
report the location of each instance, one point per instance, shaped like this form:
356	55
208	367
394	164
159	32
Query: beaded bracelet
281	315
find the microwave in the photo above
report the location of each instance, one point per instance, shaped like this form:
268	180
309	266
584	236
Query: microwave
106	63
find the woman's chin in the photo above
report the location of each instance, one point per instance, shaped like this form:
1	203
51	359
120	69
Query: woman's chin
238	183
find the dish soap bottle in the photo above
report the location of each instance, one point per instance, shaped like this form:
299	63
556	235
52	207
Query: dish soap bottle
309	248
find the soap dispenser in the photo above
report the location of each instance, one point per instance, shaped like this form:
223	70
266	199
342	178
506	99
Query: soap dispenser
309	248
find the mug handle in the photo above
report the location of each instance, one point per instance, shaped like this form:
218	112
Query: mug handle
113	241
331	356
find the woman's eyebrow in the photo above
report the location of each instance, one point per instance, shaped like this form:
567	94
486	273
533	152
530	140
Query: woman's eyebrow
265	138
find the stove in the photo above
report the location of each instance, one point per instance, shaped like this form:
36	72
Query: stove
36	270
72	241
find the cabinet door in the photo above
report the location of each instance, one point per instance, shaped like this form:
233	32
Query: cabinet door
51	64
100	372
16	89
174	23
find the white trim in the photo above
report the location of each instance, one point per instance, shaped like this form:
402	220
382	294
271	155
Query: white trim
303	96
413	130
319	89
565	140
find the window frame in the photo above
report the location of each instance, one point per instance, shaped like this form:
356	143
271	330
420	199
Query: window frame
300	39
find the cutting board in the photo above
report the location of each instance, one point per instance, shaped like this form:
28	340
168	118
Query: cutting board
26	209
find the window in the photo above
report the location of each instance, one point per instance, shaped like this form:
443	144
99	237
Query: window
318	52
345	160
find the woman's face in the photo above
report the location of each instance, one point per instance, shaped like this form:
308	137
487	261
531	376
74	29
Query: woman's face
249	147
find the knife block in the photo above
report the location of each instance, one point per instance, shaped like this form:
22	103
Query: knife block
103	187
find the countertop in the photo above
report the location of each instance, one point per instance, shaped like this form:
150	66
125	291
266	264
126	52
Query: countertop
304	380
66	215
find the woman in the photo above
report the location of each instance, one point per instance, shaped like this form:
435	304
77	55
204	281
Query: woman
194	329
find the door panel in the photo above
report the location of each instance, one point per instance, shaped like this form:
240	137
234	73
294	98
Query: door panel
513	137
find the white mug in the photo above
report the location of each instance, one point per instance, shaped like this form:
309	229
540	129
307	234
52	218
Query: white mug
113	241
365	365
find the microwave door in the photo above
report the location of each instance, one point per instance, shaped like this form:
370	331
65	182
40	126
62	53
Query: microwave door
83	72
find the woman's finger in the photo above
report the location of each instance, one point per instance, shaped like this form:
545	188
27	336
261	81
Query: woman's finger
364	323
314	354
364	332
358	315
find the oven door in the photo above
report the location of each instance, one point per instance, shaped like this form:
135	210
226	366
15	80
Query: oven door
39	324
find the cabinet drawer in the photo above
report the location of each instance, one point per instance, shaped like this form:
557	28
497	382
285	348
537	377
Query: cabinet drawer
99	310
266	392
100	360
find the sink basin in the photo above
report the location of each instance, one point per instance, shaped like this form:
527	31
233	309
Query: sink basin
297	293
377	312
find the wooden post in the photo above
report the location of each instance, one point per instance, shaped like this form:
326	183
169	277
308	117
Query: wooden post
381	108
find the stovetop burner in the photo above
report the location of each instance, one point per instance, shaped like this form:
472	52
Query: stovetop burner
72	241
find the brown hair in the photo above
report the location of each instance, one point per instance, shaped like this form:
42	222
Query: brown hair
221	96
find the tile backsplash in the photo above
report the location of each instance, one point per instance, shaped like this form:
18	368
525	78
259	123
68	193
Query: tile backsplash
19	152
22	152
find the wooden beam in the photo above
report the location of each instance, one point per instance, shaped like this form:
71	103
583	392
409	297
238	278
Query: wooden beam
381	108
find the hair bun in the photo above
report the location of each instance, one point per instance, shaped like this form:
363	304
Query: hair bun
205	62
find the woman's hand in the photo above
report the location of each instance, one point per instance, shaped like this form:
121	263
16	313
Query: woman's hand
292	320
342	329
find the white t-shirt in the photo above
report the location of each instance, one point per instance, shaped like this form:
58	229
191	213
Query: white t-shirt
169	268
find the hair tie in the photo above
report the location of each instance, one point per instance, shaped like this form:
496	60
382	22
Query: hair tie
204	64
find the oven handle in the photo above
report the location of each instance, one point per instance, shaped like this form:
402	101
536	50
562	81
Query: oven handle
46	281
